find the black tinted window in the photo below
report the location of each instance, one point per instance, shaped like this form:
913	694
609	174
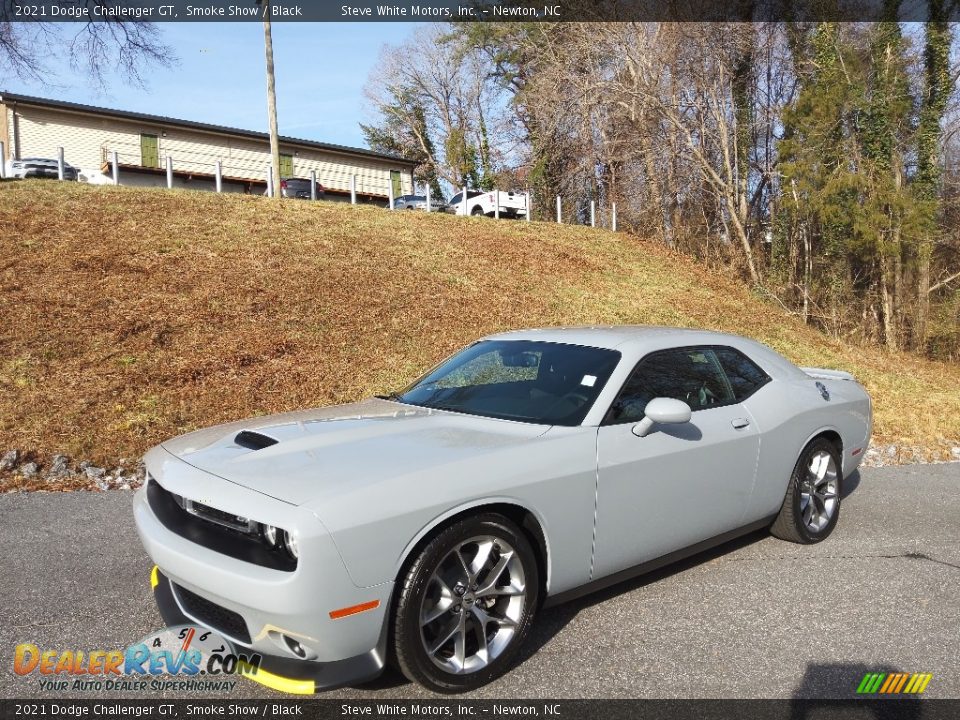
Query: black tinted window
692	375
744	375
456	198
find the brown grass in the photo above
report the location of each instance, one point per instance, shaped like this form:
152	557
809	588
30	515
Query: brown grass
128	316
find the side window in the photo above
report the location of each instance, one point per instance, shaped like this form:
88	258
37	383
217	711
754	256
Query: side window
744	375
693	375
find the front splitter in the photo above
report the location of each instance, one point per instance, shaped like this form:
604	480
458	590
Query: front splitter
287	675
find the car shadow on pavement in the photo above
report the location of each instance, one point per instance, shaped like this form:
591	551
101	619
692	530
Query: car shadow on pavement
849	485
551	621
825	690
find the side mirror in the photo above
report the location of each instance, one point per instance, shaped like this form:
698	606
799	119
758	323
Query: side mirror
662	411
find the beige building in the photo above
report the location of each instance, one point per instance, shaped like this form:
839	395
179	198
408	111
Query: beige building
37	127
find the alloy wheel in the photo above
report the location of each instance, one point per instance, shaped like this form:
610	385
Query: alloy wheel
473	604
818	491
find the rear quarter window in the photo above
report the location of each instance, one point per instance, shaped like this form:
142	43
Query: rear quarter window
745	376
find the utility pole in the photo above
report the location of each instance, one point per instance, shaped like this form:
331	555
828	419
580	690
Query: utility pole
271	98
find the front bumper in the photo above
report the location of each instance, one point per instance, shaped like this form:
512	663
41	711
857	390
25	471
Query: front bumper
258	608
299	677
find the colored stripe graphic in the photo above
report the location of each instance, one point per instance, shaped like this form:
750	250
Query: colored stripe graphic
894	683
891	680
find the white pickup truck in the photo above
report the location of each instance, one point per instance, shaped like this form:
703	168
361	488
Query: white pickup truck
480	202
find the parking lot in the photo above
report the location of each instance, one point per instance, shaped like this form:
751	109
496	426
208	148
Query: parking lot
755	618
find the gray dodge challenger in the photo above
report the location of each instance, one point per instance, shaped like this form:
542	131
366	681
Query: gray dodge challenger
427	527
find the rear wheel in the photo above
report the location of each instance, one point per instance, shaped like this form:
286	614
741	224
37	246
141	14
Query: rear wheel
466	605
811	507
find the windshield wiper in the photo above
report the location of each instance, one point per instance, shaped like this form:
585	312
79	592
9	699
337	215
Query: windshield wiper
389	396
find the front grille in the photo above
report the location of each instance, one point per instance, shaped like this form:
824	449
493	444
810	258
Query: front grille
215	616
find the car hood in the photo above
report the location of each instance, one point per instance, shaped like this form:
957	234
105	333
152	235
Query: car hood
329	450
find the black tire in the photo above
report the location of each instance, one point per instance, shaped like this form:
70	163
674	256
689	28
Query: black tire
790	524
477	211
418	587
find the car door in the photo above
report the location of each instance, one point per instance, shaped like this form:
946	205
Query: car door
680	484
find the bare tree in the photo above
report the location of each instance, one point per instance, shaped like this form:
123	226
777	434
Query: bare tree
95	48
433	88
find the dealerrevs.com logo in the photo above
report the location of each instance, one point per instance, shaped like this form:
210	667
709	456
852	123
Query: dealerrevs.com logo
196	658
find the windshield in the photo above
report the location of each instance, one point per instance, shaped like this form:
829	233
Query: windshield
537	382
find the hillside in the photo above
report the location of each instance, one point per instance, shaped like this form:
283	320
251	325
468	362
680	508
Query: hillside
132	315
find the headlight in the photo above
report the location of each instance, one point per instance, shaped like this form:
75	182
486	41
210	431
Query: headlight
291	544
269	534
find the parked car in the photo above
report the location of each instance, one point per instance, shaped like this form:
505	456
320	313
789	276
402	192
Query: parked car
39	168
479	202
534	465
419	202
93	177
299	188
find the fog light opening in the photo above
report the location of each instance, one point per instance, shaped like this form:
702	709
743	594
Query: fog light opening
295	647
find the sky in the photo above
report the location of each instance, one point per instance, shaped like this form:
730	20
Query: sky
321	69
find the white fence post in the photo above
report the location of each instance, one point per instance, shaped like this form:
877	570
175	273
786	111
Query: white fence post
390	193
559	211
496	204
428	197
593	213
269	181
529	205
169	172
353	189
60	163
463	200
115	167
3	160
614	217
313	184
219	176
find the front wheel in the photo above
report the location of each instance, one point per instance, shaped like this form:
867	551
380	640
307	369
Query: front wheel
466	605
477	211
811	507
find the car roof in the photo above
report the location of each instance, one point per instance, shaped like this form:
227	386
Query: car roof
52	161
638	340
612	336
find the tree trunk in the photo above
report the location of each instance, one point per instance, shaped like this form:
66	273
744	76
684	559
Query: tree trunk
890	334
922	316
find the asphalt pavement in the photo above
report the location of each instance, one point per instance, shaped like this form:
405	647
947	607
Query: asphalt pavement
756	618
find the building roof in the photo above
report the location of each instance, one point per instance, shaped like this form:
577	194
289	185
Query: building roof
191	125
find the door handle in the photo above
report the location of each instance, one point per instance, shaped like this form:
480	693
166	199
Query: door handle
740	423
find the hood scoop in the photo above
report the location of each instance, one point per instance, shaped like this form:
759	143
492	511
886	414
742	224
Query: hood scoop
254	440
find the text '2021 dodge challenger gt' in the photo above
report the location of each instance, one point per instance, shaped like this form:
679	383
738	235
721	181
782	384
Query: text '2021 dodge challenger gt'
428	526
